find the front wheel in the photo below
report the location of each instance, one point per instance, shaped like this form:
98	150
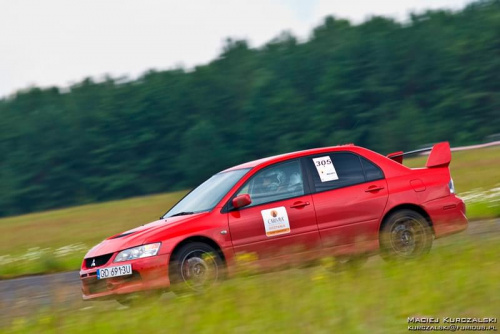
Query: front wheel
406	234
195	267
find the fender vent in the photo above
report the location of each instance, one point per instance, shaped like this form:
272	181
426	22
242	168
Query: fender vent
121	235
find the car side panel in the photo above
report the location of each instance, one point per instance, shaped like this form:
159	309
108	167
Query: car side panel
401	192
350	215
248	232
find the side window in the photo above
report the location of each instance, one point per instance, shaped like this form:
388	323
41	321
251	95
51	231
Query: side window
372	171
274	183
335	170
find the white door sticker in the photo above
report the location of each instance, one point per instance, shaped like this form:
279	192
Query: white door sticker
276	221
325	168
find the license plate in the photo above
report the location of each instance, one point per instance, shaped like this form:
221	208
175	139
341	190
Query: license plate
122	270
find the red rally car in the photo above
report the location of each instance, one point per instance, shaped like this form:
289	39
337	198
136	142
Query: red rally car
343	201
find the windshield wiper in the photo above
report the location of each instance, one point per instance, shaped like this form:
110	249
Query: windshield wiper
183	213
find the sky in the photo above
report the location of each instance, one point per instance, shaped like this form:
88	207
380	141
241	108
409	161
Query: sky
60	42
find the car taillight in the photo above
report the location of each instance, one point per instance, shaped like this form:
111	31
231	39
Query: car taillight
451	185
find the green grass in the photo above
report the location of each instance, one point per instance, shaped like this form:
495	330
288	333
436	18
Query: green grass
378	298
85	226
459	278
88	224
483	209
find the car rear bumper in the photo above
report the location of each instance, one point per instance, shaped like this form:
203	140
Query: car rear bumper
147	274
447	215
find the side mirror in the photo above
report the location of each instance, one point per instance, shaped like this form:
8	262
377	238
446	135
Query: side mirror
241	201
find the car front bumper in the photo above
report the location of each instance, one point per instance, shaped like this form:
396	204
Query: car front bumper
149	273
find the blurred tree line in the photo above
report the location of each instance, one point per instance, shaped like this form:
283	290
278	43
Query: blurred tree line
382	84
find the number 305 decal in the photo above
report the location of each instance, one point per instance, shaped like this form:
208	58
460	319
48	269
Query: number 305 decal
323	162
325	168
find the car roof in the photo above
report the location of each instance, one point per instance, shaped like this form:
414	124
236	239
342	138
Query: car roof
286	156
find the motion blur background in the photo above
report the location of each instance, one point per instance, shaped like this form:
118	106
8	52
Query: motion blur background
105	102
384	83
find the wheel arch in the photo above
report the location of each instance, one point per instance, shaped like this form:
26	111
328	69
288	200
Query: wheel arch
198	238
407	206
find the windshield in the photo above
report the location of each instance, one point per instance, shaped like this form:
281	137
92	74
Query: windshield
206	196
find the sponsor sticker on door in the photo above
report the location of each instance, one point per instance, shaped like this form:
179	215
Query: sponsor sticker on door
276	221
325	168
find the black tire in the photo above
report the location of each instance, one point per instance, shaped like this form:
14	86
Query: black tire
405	234
195	267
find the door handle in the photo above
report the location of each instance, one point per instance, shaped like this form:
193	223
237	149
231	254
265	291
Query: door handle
373	189
299	204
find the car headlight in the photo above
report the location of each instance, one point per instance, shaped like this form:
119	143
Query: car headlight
138	252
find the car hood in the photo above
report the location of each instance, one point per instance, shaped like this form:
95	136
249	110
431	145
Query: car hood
139	235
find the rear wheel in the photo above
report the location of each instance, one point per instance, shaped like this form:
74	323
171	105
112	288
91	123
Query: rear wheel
195	267
406	234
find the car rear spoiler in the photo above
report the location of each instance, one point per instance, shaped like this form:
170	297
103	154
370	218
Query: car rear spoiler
440	155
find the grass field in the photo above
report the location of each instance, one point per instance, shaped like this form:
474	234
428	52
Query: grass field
24	240
378	298
65	235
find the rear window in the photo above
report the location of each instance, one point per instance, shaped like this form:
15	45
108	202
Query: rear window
341	169
372	171
335	170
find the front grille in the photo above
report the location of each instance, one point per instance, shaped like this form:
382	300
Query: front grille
99	260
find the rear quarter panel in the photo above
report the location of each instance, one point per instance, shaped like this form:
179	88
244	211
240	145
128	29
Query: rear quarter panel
418	186
428	189
410	186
